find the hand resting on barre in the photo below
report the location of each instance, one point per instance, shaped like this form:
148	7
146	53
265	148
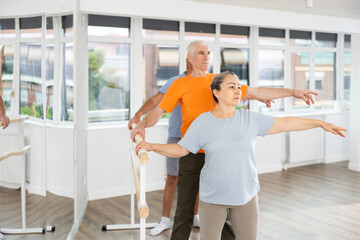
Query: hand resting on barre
173	150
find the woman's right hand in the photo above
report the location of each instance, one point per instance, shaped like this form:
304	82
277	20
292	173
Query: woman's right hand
148	146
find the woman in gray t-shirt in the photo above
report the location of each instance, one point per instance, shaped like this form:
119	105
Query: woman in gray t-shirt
229	178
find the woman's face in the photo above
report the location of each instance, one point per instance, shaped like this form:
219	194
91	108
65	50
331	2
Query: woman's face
230	93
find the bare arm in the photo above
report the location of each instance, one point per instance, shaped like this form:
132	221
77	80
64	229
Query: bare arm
169	150
3	118
150	120
290	124
146	107
264	93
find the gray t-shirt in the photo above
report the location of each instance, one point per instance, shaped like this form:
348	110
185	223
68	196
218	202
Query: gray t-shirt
175	119
229	176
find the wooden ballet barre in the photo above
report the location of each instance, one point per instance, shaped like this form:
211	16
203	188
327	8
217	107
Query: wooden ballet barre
142	154
16	119
142	207
15	152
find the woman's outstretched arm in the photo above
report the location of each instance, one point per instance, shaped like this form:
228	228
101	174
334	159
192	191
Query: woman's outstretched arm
168	150
290	124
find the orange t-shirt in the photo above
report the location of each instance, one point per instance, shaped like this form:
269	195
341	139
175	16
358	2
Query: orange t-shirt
194	95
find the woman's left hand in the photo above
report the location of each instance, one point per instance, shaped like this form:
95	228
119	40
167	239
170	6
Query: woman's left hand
145	145
334	129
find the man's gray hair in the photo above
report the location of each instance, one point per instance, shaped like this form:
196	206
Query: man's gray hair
193	44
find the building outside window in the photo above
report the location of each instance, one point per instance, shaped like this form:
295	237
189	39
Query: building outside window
234	34
271	37
325	79
67	86
160	29
30	80
49	68
30	27
347	69
271	65
109	68
161	54
236	60
109	81
7	28
300	76
199	31
6	74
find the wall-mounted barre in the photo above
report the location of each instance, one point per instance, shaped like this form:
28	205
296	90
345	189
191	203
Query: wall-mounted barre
24	229
139	175
15	152
16	119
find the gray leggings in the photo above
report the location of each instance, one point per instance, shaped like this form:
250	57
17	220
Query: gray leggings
244	220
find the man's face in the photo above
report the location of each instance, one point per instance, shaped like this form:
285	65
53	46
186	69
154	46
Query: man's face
200	59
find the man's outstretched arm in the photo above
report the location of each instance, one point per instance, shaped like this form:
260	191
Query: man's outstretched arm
150	120
145	108
264	93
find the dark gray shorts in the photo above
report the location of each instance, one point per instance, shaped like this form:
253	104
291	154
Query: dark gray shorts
172	164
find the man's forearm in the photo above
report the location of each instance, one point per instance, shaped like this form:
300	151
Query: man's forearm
300	124
152	118
265	93
149	105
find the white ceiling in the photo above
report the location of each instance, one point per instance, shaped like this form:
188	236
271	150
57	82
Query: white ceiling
337	8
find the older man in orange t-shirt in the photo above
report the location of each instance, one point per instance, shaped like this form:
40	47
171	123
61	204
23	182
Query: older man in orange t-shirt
195	97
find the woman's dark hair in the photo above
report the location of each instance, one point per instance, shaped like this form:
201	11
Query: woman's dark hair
218	80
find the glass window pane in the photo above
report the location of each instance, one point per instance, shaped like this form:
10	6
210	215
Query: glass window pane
271	36
7	28
157	34
6	73
160	29
30	80
109	26
199	31
109	81
300	76
271	74
49	28
161	63
347	41
236	60
235	34
30	27
347	73
67	25
67	96
325	80
325	39
300	38
50	55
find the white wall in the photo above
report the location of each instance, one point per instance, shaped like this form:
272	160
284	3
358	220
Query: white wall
337	148
109	169
219	13
59	160
355	107
20	7
36	157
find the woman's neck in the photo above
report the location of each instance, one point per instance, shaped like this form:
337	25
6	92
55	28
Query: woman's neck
224	111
